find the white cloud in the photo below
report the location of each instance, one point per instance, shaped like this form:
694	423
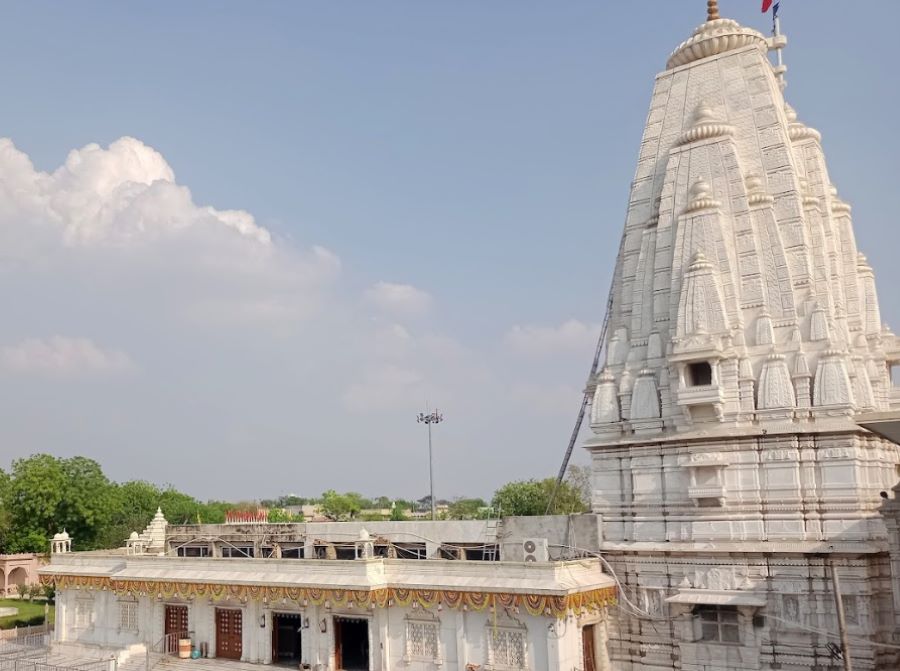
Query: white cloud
572	336
403	299
248	343
124	193
64	357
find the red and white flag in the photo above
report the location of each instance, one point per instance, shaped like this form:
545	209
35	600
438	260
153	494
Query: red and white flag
767	4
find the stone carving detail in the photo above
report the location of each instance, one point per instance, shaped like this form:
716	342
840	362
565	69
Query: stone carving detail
765	334
737	246
832	386
700	309
705	126
756	195
798	131
716	37
871	314
862	386
801	376
605	408
775	388
617	349
701	197
818	324
645	397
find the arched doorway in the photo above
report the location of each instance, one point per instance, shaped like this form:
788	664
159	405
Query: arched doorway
18	576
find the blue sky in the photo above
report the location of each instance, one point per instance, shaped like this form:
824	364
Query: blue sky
479	153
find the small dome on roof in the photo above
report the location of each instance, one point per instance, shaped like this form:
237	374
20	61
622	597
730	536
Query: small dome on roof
64	536
134	536
57	536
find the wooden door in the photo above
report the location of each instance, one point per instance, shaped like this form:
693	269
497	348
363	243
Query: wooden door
338	656
587	642
228	633
176	625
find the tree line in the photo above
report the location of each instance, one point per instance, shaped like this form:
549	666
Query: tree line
43	494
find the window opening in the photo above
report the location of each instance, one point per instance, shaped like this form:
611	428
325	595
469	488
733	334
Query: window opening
234	552
719	623
128	614
423	641
507	648
193	551
411	551
699	374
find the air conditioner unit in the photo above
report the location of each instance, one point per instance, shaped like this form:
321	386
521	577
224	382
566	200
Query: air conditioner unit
535	550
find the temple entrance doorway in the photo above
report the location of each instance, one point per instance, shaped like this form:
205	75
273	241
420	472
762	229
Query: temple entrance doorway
175	626
351	644
229	633
587	643
286	628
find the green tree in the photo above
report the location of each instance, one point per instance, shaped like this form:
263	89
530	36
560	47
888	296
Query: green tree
45	494
36	488
88	501
280	516
4	511
467	509
530	497
398	513
340	506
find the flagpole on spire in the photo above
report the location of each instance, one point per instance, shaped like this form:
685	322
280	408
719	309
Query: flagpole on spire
778	42
712	10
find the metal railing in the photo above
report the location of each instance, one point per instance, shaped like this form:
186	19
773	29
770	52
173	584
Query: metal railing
167	646
35	665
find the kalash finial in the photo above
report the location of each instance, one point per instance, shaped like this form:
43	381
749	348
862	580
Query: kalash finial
712	10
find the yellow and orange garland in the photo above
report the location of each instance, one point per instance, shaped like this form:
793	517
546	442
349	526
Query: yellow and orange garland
534	604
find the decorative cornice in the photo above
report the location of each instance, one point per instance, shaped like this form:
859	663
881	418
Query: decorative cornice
535	604
838	205
756	194
809	200
701	198
705	126
799	131
714	37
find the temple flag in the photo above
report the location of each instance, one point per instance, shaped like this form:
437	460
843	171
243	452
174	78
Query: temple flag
766	5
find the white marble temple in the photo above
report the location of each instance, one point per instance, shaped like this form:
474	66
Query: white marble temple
744	335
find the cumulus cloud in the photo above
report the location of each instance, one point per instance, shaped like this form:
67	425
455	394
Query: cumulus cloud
124	193
572	336
403	299
248	343
63	356
117	215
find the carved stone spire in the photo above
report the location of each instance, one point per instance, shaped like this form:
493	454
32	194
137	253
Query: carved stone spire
740	298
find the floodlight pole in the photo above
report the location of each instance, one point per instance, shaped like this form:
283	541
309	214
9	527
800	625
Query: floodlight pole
428	419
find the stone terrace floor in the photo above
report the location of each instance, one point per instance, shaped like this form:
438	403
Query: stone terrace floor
175	664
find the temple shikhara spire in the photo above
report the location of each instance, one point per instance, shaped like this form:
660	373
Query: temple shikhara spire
744	338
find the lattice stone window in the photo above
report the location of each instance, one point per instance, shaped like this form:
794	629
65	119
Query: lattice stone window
507	648
423	641
128	615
